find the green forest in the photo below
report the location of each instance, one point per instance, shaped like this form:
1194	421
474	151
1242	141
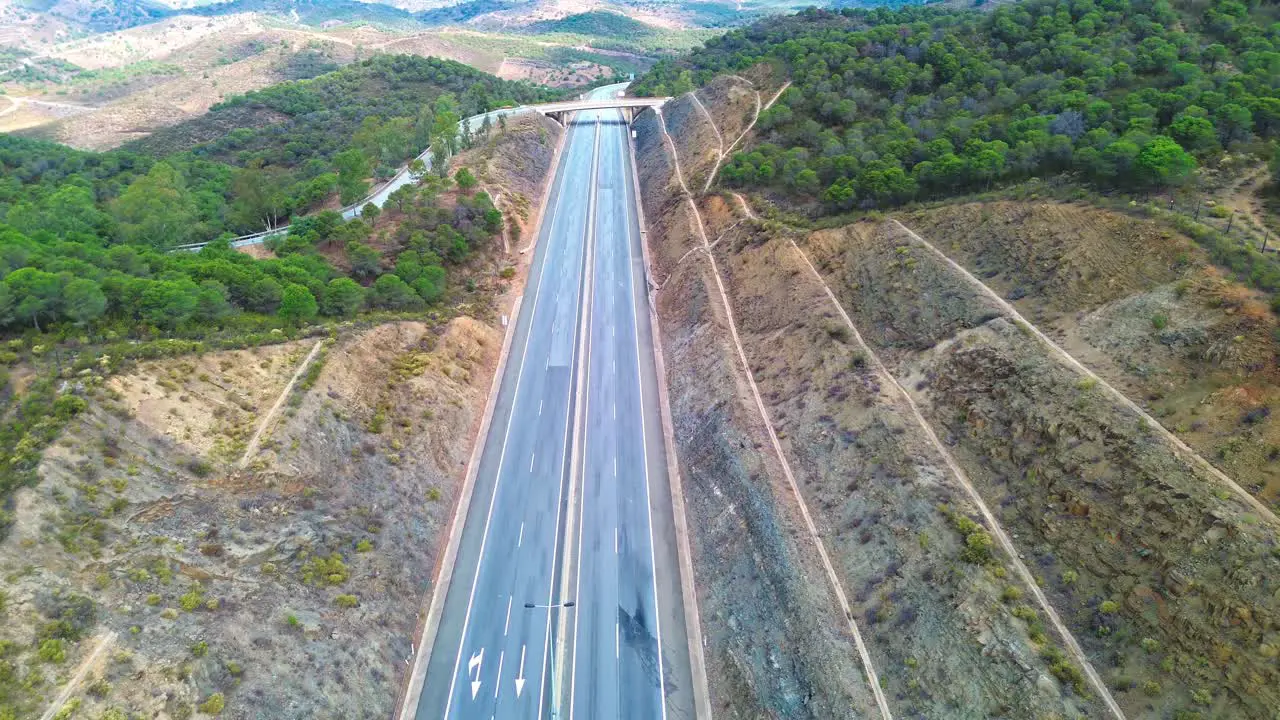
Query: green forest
889	106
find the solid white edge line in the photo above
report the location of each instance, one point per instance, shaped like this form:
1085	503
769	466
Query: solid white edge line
515	397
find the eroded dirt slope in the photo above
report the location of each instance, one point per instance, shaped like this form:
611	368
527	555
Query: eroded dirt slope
1141	306
1160	570
253	583
942	640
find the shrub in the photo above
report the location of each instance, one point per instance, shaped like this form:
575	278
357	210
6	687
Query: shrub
1011	594
346	601
1109	607
1069	577
466	181
325	571
213	705
364	546
1159	321
1150	644
199	467
100	688
977	543
1063	669
52	651
977	548
68	406
200	649
193	599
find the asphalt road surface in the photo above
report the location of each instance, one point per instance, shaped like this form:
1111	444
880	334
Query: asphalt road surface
571	500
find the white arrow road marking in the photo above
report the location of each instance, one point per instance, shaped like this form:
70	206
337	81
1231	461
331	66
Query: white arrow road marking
474	665
520	676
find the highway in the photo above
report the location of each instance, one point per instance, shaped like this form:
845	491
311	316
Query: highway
571	502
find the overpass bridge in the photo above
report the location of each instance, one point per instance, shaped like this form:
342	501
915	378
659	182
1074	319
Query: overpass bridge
630	106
